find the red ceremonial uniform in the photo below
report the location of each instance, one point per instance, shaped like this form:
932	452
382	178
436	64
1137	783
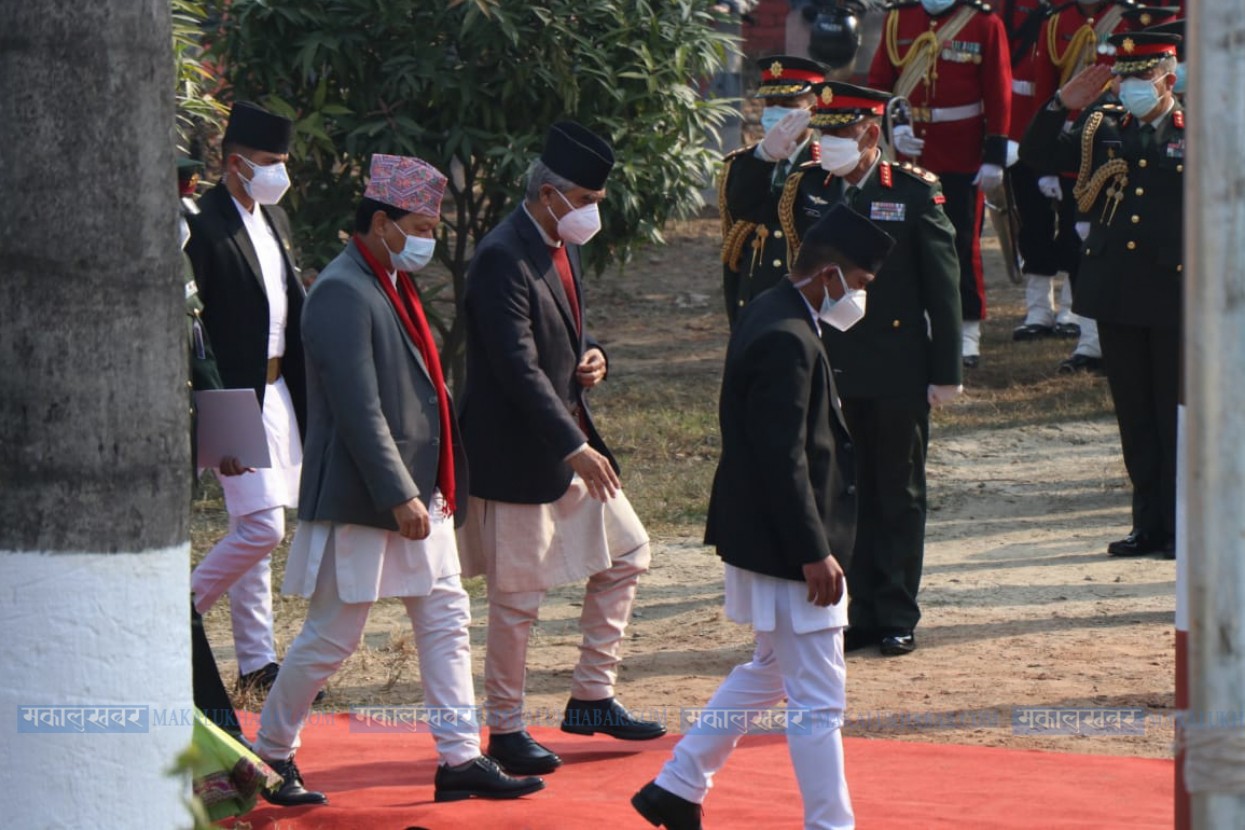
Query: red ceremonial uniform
1023	21
965	95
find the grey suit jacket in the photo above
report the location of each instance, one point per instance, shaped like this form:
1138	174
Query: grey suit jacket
373	430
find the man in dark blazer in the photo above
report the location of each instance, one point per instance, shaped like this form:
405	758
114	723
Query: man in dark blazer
380	489
902	359
252	299
783	518
547	508
1130	186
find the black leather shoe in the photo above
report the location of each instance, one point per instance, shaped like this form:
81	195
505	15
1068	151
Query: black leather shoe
663	808
1081	363
260	681
291	793
856	638
971	361
481	778
1031	331
588	717
898	643
1140	543
1067	330
519	754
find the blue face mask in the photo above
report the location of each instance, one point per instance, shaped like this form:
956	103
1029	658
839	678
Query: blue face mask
937	7
415	254
1181	74
1138	96
771	116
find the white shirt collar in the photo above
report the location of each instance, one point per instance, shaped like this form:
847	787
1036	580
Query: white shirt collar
868	174
1158	122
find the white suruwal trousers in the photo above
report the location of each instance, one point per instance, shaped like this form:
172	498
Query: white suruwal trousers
332	632
799	658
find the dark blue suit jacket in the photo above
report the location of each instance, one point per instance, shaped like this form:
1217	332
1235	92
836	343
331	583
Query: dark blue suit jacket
522	410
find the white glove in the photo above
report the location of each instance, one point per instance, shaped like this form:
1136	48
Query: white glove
1082	230
1049	185
1013	153
906	142
939	395
782	139
989	177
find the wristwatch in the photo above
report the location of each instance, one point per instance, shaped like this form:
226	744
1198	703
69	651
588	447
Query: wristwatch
1056	103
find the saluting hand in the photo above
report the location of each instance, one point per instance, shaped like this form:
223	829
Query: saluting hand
597	472
412	518
1085	87
591	369
825	582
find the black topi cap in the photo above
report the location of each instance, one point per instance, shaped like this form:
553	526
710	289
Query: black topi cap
863	243
255	127
840	105
576	153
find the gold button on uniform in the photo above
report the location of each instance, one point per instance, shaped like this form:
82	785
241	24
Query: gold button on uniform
1141	191
741	303
1179	168
895	324
1179	268
1142	163
778	263
778	234
1131	245
1136	218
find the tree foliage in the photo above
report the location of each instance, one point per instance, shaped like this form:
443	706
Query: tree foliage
472	87
197	107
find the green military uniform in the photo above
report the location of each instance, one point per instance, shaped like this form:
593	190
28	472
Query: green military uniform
754	252
1130	185
884	365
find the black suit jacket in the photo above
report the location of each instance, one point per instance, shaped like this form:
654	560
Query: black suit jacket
783	495
235	305
522	410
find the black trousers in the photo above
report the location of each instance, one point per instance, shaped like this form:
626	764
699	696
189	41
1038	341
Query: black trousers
891	437
1143	371
209	691
1048	240
964	207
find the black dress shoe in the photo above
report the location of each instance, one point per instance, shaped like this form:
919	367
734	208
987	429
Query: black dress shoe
519	754
857	637
1067	330
1081	363
971	361
1031	331
481	778
663	808
1141	543
291	793
898	643
588	717
260	681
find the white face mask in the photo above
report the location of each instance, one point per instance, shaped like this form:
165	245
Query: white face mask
415	254
845	312
268	183
578	225
839	155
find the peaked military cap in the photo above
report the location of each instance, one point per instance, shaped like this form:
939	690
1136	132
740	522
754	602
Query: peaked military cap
840	104
863	243
1137	52
785	76
1173	27
255	127
576	153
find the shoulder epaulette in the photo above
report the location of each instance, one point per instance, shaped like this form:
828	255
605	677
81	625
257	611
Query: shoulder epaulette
982	6
917	172
739	151
901	4
1178	119
808	165
1058	8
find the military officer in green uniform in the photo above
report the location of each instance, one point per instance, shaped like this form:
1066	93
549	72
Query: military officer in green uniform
754	253
903	358
1130	185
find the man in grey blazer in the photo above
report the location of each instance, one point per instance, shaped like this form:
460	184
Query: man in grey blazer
383	474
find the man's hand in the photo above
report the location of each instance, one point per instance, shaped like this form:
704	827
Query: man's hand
825	582
1085	86
989	177
230	466
591	369
939	395
596	472
782	139
1049	187
412	518
906	142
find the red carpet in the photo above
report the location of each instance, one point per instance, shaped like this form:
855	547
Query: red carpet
384	782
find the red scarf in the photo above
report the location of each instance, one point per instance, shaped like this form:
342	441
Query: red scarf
411	312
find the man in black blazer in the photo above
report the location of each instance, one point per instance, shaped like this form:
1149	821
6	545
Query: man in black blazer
783	518
252	299
546	505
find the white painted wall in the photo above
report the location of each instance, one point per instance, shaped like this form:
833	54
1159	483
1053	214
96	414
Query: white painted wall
93	629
